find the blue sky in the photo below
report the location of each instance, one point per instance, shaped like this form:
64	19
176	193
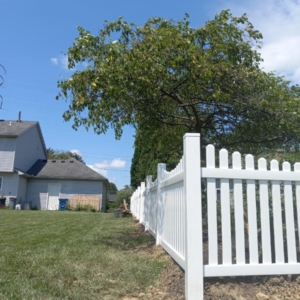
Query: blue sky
35	34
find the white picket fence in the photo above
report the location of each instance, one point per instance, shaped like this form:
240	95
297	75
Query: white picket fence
171	209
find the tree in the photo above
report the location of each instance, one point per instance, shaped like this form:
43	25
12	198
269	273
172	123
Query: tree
205	79
63	154
112	189
162	145
122	194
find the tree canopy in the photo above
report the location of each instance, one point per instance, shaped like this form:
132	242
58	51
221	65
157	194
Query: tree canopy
162	145
63	154
112	189
205	79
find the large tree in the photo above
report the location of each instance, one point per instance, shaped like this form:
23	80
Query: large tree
112	189
162	145
205	79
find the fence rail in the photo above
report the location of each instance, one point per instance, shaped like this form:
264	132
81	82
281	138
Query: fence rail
252	228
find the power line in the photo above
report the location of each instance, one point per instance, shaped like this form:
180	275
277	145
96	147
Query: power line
32	113
30	91
84	137
33	84
92	154
32	102
21	75
59	128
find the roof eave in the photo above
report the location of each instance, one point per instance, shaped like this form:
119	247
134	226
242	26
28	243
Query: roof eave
64	178
8	136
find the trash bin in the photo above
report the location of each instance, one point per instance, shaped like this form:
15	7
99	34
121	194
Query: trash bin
12	202
117	213
2	203
63	204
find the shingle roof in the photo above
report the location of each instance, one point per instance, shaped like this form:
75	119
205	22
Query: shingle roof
14	128
63	169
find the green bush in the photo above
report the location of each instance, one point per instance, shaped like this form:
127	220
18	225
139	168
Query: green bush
122	194
86	207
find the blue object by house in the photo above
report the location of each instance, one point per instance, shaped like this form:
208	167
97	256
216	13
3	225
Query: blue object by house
63	204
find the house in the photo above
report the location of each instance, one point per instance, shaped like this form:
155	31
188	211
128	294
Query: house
25	172
112	197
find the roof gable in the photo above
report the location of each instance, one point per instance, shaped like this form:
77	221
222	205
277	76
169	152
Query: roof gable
63	169
14	128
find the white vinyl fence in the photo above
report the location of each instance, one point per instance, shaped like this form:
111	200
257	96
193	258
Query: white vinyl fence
251	230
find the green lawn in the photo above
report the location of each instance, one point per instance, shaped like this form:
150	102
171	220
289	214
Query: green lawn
73	255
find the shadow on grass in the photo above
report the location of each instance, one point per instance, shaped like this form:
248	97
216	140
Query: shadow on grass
137	239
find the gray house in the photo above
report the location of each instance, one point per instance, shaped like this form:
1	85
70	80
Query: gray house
25	172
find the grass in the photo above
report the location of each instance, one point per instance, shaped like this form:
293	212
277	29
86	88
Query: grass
74	255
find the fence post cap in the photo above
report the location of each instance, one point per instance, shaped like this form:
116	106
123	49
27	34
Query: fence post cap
191	135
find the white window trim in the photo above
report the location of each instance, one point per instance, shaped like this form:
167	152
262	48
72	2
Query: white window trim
1	183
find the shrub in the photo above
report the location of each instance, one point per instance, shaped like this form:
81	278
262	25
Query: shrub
86	207
122	194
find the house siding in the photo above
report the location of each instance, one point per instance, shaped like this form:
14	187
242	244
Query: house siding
104	196
22	190
7	154
9	185
37	190
29	149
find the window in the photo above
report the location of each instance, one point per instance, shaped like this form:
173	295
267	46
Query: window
1	181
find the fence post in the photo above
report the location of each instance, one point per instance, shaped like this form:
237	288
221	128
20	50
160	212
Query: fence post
142	205
138	200
194	251
159	207
147	195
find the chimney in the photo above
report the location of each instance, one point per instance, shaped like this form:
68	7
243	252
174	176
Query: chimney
19	117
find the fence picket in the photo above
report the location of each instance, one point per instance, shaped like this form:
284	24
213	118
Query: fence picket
277	219
147	208
289	216
212	209
264	214
297	169
238	211
225	211
252	215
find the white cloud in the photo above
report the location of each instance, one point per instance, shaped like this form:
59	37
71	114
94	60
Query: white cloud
279	22
61	61
54	61
76	152
64	62
98	170
118	163
104	166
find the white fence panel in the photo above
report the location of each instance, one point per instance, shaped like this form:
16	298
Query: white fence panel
173	237
152	205
257	236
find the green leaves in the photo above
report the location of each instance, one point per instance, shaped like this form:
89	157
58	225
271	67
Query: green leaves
205	79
